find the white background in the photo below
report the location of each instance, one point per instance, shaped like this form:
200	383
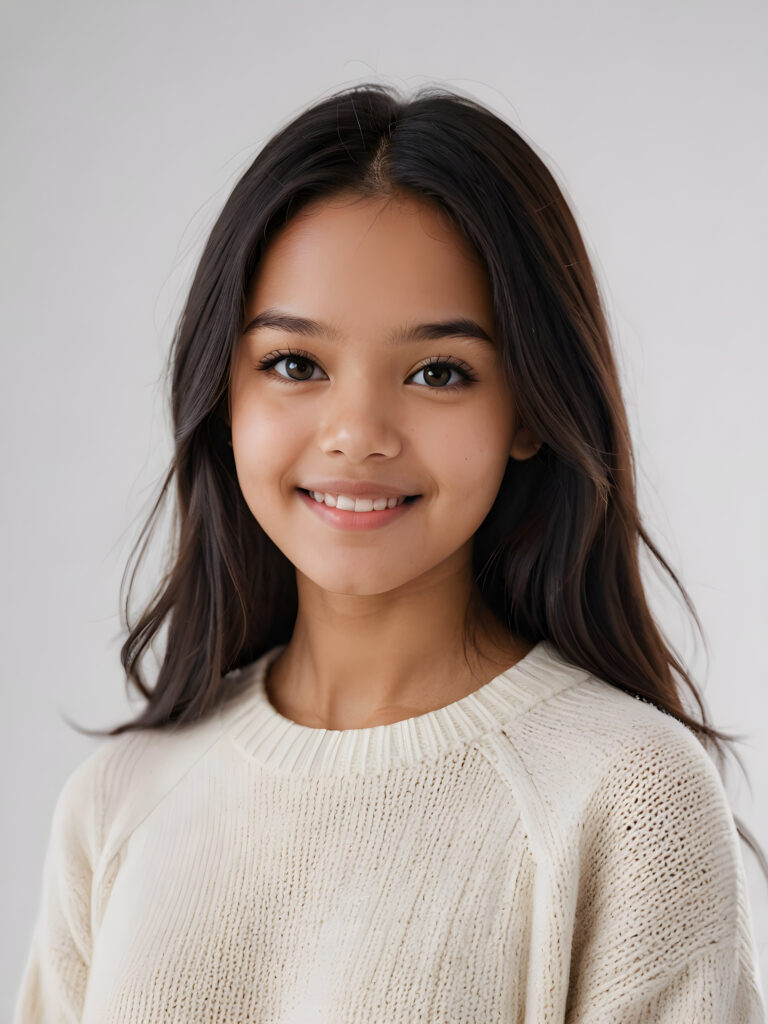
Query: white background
125	126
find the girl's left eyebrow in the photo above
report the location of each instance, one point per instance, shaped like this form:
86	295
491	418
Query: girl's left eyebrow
457	327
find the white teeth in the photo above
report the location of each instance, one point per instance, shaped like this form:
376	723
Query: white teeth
349	504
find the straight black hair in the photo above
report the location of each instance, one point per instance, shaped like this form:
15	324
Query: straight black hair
557	557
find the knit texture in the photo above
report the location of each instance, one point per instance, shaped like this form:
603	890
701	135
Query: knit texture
546	849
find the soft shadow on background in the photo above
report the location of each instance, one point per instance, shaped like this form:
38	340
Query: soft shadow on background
125	126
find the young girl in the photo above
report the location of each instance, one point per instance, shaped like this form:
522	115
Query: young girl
417	749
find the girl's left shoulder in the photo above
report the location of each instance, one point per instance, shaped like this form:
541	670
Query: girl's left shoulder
589	743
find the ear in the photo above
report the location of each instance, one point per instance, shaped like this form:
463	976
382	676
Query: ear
524	444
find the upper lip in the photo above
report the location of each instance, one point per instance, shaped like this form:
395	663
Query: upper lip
359	488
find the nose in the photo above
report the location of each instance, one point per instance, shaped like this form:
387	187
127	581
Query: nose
359	419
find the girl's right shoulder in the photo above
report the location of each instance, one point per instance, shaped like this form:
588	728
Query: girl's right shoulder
115	786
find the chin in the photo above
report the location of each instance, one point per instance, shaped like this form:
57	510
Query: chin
361	583
353	588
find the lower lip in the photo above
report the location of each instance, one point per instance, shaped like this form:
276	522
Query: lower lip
345	520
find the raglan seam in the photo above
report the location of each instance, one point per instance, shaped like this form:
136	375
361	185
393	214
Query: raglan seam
103	864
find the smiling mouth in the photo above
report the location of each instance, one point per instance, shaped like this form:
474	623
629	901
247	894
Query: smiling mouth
407	500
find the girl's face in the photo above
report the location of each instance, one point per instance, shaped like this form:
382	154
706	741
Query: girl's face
361	398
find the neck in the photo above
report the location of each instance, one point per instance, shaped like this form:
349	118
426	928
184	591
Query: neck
354	661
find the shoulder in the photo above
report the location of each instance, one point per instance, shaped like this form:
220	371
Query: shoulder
589	756
585	732
636	800
655	787
660	871
122	779
656	814
625	806
627	814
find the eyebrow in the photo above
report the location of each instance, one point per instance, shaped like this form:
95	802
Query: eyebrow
456	327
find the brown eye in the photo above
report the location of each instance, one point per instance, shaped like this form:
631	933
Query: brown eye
298	368
438	374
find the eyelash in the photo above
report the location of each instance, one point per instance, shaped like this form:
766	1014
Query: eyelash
468	377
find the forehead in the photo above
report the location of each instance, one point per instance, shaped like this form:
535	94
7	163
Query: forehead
353	256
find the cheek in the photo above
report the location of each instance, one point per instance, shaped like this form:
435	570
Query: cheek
263	444
469	452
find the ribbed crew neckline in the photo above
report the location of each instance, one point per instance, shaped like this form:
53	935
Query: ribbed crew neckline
260	731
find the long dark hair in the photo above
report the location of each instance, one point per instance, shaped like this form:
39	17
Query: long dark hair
557	557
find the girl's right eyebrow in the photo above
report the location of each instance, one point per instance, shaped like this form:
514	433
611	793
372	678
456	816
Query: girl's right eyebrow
456	327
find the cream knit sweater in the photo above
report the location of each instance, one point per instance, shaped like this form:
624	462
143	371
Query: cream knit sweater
546	849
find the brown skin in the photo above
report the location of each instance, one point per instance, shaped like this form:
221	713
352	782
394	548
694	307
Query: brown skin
378	632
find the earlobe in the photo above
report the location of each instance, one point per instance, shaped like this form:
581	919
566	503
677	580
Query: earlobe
524	445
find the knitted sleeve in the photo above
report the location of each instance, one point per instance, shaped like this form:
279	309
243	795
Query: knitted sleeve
663	932
56	973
